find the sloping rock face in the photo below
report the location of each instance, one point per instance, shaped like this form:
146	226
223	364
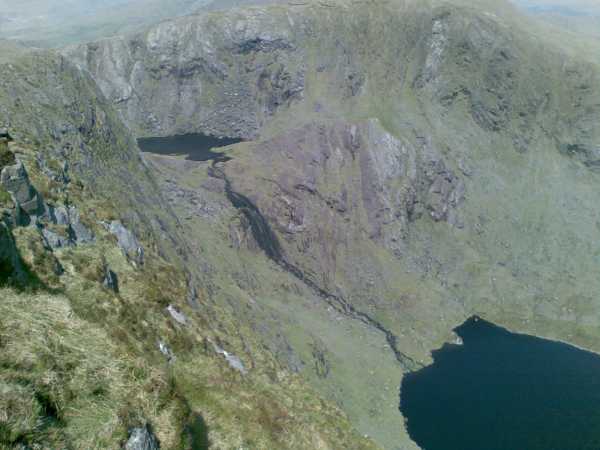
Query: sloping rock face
141	439
15	181
326	186
85	139
127	242
229	73
223	76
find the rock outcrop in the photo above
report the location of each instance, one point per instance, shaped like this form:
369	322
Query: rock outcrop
127	242
11	268
224	77
324	180
141	439
406	164
15	181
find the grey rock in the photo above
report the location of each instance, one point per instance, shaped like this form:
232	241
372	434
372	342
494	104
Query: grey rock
81	233
59	215
10	263
143	74
127	242
192	297
165	350
141	439
15	180
71	218
54	240
110	280
445	194
233	361
61	174
177	315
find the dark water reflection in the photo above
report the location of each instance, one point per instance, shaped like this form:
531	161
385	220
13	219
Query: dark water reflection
197	147
504	391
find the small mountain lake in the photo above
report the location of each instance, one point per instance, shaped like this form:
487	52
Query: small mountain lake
504	391
197	146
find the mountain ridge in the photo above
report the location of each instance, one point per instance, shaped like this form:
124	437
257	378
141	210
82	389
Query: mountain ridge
379	135
405	166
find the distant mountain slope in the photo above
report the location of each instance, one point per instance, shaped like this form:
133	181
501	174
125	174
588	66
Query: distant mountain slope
50	23
406	164
580	16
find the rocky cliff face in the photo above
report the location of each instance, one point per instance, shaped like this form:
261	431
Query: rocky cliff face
224	76
326	187
407	165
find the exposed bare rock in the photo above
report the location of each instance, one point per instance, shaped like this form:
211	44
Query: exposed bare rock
81	234
141	439
10	264
177	315
319	182
110	279
16	181
166	351
222	74
55	240
69	217
127	241
233	361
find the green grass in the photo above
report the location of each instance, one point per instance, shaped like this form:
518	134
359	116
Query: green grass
83	362
526	257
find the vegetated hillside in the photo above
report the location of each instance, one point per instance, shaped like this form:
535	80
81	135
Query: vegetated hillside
410	163
107	337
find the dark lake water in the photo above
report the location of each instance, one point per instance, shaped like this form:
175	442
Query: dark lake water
504	391
197	147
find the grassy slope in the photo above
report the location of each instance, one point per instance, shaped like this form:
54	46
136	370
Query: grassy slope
291	320
80	364
526	256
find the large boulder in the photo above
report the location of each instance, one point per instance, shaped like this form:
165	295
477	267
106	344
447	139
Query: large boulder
79	232
15	180
110	279
70	217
